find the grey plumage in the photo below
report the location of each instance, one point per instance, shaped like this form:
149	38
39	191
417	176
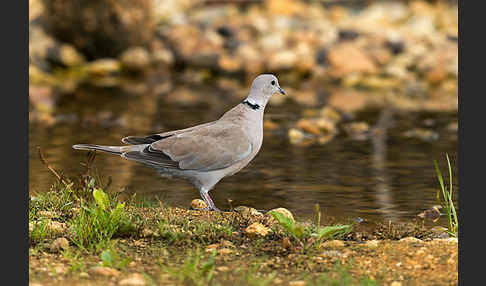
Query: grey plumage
205	153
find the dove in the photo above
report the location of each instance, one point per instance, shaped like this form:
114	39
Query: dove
206	153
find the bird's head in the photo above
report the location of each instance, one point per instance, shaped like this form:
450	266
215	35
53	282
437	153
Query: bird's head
262	88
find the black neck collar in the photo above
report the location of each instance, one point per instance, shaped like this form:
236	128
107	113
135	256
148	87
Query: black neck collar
252	106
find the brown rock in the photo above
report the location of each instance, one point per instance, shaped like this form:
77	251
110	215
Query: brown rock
135	59
100	28
346	59
246	211
297	283
308	126
59	244
103	67
229	63
257	229
330	114
286	243
222	268
411	239
295	135
135	279
106	271
198	204
333	244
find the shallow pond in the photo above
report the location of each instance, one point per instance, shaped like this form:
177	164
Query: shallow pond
385	177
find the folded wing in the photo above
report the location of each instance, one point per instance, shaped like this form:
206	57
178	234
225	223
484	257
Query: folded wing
206	148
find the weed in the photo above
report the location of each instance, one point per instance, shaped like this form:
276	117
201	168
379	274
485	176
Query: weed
446	200
253	278
309	236
341	276
39	232
98	222
111	258
194	271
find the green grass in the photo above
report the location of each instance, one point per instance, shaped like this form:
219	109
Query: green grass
194	270
446	200
310	235
340	276
112	258
180	230
39	232
98	222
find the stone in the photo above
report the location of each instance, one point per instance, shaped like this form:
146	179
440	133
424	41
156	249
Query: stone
421	133
371	243
357	130
102	67
198	204
135	279
56	227
246	211
222	268
297	283
163	57
333	244
308	126
229	63
135	59
286	244
330	113
410	239
100	28
59	244
295	135
346	59
257	229
106	271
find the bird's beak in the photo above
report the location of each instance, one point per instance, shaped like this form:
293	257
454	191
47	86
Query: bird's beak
281	90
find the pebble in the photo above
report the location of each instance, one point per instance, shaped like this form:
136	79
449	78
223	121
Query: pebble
333	244
257	229
106	271
246	211
134	279
198	204
371	243
59	244
411	239
135	59
297	283
295	135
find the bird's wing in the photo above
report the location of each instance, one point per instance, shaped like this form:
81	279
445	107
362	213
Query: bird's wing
148	139
206	148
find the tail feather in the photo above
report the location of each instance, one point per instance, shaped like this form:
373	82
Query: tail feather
118	150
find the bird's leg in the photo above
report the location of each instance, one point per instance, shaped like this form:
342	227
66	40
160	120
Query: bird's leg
205	196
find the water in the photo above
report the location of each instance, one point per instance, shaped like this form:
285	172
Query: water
390	177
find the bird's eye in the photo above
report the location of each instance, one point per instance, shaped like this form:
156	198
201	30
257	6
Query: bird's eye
273	82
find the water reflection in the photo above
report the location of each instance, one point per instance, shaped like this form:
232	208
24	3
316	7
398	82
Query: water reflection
388	176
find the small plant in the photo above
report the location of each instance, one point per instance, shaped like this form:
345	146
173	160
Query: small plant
446	201
98	222
194	271
111	258
253	278
39	232
310	235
